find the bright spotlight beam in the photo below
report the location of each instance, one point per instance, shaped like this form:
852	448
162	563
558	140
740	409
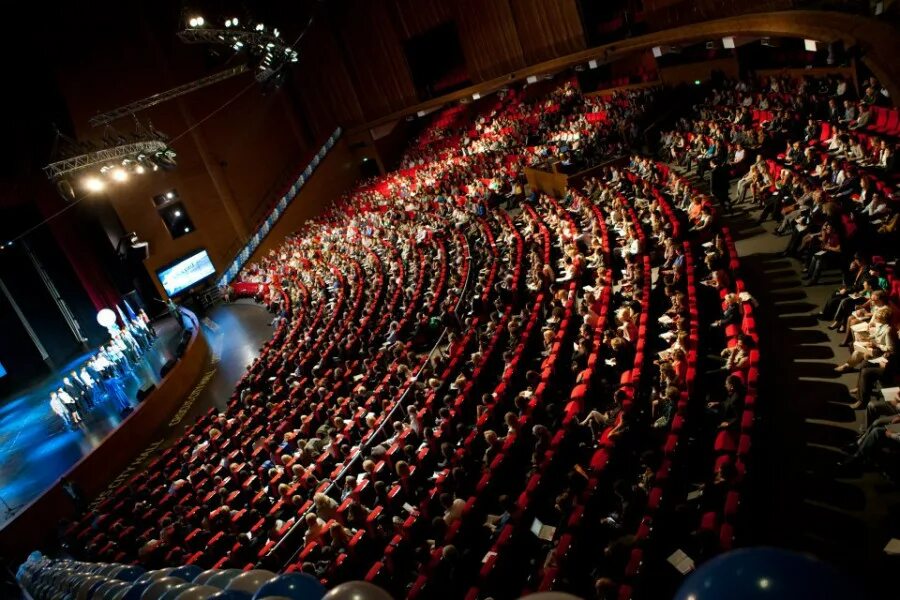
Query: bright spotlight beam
93	184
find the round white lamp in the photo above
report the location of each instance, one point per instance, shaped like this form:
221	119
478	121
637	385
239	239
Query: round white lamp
106	318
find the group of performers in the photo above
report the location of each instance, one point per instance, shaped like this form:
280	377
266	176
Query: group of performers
101	377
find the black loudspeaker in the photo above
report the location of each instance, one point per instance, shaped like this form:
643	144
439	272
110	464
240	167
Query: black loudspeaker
144	392
170	364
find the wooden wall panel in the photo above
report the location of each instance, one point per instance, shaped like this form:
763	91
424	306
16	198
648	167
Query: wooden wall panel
415	17
326	91
375	57
488	38
548	28
700	70
334	176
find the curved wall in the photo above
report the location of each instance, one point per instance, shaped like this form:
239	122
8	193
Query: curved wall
878	41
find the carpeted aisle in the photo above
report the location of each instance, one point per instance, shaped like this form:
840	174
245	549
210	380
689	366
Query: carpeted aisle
803	501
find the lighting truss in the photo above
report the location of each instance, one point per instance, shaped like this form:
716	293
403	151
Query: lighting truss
181	90
99	158
271	51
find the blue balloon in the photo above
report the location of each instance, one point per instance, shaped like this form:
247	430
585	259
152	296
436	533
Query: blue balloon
296	586
93	588
186	572
765	574
130	573
232	595
173	592
137	589
222	579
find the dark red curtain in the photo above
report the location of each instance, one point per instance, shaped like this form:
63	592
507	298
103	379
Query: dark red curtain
68	230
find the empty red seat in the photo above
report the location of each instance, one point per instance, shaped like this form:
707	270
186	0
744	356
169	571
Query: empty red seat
634	562
725	442
732	502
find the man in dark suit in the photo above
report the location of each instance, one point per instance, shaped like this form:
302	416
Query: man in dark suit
76	393
83	390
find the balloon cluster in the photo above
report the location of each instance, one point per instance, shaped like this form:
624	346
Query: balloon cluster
47	579
748	574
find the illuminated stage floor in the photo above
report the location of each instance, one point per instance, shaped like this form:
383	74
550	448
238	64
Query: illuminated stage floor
36	448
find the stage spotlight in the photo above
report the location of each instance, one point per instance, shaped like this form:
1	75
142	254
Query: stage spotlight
93	184
177	213
193	22
187	229
119	175
140	170
165	159
227	22
260	27
200	21
169	195
234	21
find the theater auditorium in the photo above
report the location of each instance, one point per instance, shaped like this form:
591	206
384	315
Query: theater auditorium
451	299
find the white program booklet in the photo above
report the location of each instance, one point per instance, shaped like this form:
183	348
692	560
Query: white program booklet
544	532
681	561
890	393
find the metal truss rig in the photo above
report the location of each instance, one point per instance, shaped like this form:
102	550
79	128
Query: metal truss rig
273	50
181	90
64	167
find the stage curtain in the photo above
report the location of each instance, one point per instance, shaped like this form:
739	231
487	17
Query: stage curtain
375	57
548	28
488	37
67	233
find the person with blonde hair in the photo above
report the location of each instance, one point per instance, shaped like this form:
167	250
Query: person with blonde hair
315	527
882	339
325	506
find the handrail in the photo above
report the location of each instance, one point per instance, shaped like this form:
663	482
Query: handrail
369	443
275	214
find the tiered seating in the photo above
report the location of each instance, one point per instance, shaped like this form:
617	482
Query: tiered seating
445	376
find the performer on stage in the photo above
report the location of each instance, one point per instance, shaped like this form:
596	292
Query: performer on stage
87	386
117	393
74	392
82	389
69	402
146	321
57	406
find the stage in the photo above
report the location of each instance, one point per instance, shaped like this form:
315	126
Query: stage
36	447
